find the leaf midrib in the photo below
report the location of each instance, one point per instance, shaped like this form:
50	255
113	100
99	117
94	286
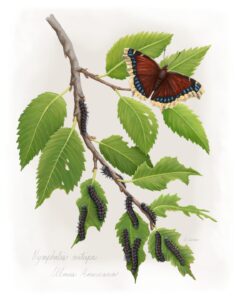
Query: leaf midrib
186	122
138	119
161	174
197	212
140	49
55	164
121	154
38	123
186	59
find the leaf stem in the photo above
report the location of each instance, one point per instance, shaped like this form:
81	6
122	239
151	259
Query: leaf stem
75	82
94	175
126	180
103	75
95	77
68	89
118	93
74	122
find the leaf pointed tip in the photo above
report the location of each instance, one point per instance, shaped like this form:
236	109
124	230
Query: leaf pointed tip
37	205
74	243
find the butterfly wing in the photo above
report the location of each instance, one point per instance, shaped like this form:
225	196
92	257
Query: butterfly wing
175	88
143	72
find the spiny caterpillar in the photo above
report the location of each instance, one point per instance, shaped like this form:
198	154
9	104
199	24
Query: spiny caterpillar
105	171
84	117
81	224
131	212
135	248
98	203
171	247
149	212
158	247
126	246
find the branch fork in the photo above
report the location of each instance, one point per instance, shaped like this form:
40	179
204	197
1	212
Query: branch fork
75	84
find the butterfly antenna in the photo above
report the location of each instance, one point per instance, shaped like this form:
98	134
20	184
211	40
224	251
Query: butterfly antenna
164	53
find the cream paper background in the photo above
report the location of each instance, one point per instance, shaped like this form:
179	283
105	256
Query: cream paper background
40	66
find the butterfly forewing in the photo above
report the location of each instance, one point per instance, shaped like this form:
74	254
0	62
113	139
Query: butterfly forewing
143	71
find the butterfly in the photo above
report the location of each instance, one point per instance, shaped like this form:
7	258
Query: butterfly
164	88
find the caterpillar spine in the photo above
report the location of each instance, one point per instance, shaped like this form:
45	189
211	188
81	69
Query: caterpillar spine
171	247
151	214
81	224
131	212
126	246
105	171
83	117
158	247
98	203
135	249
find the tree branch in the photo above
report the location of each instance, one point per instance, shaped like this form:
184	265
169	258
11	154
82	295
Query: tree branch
95	77
75	82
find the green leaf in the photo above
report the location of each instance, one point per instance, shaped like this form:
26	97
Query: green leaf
141	232
186	61
92	218
61	163
149	43
185	251
185	123
168	202
166	170
117	152
41	118
139	122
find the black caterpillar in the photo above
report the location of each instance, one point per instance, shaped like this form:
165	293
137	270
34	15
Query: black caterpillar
135	248
131	212
171	247
149	212
84	117
158	247
81	224
126	246
106	172
98	203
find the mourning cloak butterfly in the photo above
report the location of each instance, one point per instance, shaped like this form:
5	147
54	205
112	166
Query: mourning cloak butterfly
135	248
81	224
149	212
131	212
158	247
126	246
162	87
98	202
84	117
174	251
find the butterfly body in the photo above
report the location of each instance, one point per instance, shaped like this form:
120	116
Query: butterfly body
164	88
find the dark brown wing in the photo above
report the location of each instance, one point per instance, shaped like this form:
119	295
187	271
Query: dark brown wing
174	88
143	72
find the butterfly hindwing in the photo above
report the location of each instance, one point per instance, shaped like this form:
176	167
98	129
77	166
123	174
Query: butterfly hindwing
175	88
